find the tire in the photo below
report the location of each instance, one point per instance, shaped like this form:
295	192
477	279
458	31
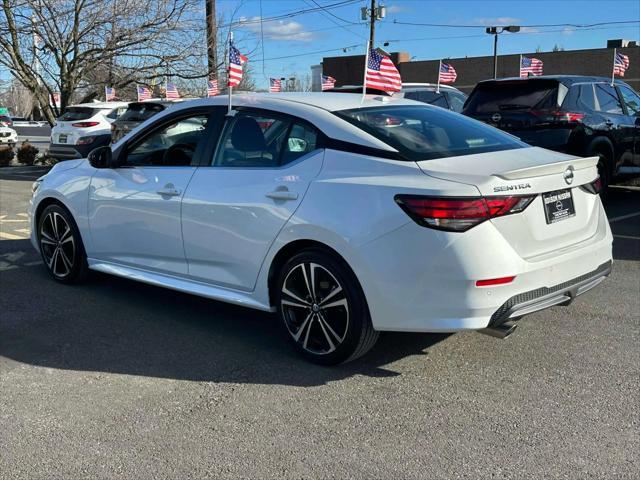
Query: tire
322	308
61	246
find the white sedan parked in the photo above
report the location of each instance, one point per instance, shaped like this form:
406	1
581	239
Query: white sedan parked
346	217
8	136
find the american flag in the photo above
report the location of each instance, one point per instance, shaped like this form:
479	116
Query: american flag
143	93
531	66
620	64
171	91
212	88
109	93
275	85
382	74
447	73
328	82
236	61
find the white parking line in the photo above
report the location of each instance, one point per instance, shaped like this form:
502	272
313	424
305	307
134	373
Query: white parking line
623	217
10	236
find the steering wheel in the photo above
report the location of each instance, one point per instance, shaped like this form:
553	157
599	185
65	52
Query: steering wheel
178	154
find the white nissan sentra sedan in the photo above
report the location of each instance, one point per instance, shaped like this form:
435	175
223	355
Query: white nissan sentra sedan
346	217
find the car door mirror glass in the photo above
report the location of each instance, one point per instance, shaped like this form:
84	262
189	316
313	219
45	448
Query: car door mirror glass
100	157
297	145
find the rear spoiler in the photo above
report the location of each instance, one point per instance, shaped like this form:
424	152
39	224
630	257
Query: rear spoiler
549	168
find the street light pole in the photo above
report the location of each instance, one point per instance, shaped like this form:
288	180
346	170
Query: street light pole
495	31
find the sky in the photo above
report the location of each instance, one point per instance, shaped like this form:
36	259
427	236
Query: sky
289	43
293	44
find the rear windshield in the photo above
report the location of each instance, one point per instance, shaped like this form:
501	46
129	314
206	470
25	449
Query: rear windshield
140	112
424	132
519	95
78	113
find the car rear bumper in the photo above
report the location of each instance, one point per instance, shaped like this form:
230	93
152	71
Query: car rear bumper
63	151
429	285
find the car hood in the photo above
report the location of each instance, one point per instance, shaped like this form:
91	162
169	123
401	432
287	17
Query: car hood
66	165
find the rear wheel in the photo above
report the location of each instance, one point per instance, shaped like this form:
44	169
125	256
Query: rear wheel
323	309
61	245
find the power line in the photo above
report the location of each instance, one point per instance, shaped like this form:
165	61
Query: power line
326	12
576	25
295	13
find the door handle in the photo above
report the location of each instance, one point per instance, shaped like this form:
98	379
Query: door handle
282	195
169	191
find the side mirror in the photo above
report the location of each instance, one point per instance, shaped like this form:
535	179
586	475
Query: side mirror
100	157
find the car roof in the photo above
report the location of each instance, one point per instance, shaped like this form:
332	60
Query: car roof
315	107
426	86
101	105
564	79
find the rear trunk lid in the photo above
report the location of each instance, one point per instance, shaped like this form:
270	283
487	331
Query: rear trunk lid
548	176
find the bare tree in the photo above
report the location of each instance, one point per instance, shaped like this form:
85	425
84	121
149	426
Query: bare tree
76	47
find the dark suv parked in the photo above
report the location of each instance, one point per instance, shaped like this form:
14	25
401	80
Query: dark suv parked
579	115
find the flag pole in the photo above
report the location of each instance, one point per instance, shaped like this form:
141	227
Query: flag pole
229	72
366	64
520	67
105	93
439	69
613	67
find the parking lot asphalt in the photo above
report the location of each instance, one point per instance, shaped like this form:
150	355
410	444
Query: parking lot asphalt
115	379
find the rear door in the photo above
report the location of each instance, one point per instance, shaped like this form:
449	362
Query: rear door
235	207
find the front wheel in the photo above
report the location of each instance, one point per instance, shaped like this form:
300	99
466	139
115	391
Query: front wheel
61	245
323	309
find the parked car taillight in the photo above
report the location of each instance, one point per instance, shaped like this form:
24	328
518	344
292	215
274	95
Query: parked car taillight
558	116
594	187
85	124
459	214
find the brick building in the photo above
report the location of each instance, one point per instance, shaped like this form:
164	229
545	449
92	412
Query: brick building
349	70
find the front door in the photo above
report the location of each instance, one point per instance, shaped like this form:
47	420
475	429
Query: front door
134	210
234	209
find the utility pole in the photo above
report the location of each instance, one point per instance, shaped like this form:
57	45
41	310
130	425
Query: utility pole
372	25
212	44
372	14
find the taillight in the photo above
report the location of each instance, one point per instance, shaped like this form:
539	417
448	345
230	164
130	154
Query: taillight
459	214
558	116
85	140
85	124
594	187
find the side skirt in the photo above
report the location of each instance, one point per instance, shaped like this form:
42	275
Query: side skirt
179	284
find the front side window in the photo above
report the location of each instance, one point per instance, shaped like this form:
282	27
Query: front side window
631	100
423	133
264	141
608	99
172	145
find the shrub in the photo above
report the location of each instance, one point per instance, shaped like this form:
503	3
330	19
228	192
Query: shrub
27	153
6	155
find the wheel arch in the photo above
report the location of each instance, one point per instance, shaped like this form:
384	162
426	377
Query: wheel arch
291	249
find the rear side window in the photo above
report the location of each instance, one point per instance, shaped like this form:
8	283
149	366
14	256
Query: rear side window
580	97
426	96
457	101
518	95
424	133
264	141
608	98
78	113
140	112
